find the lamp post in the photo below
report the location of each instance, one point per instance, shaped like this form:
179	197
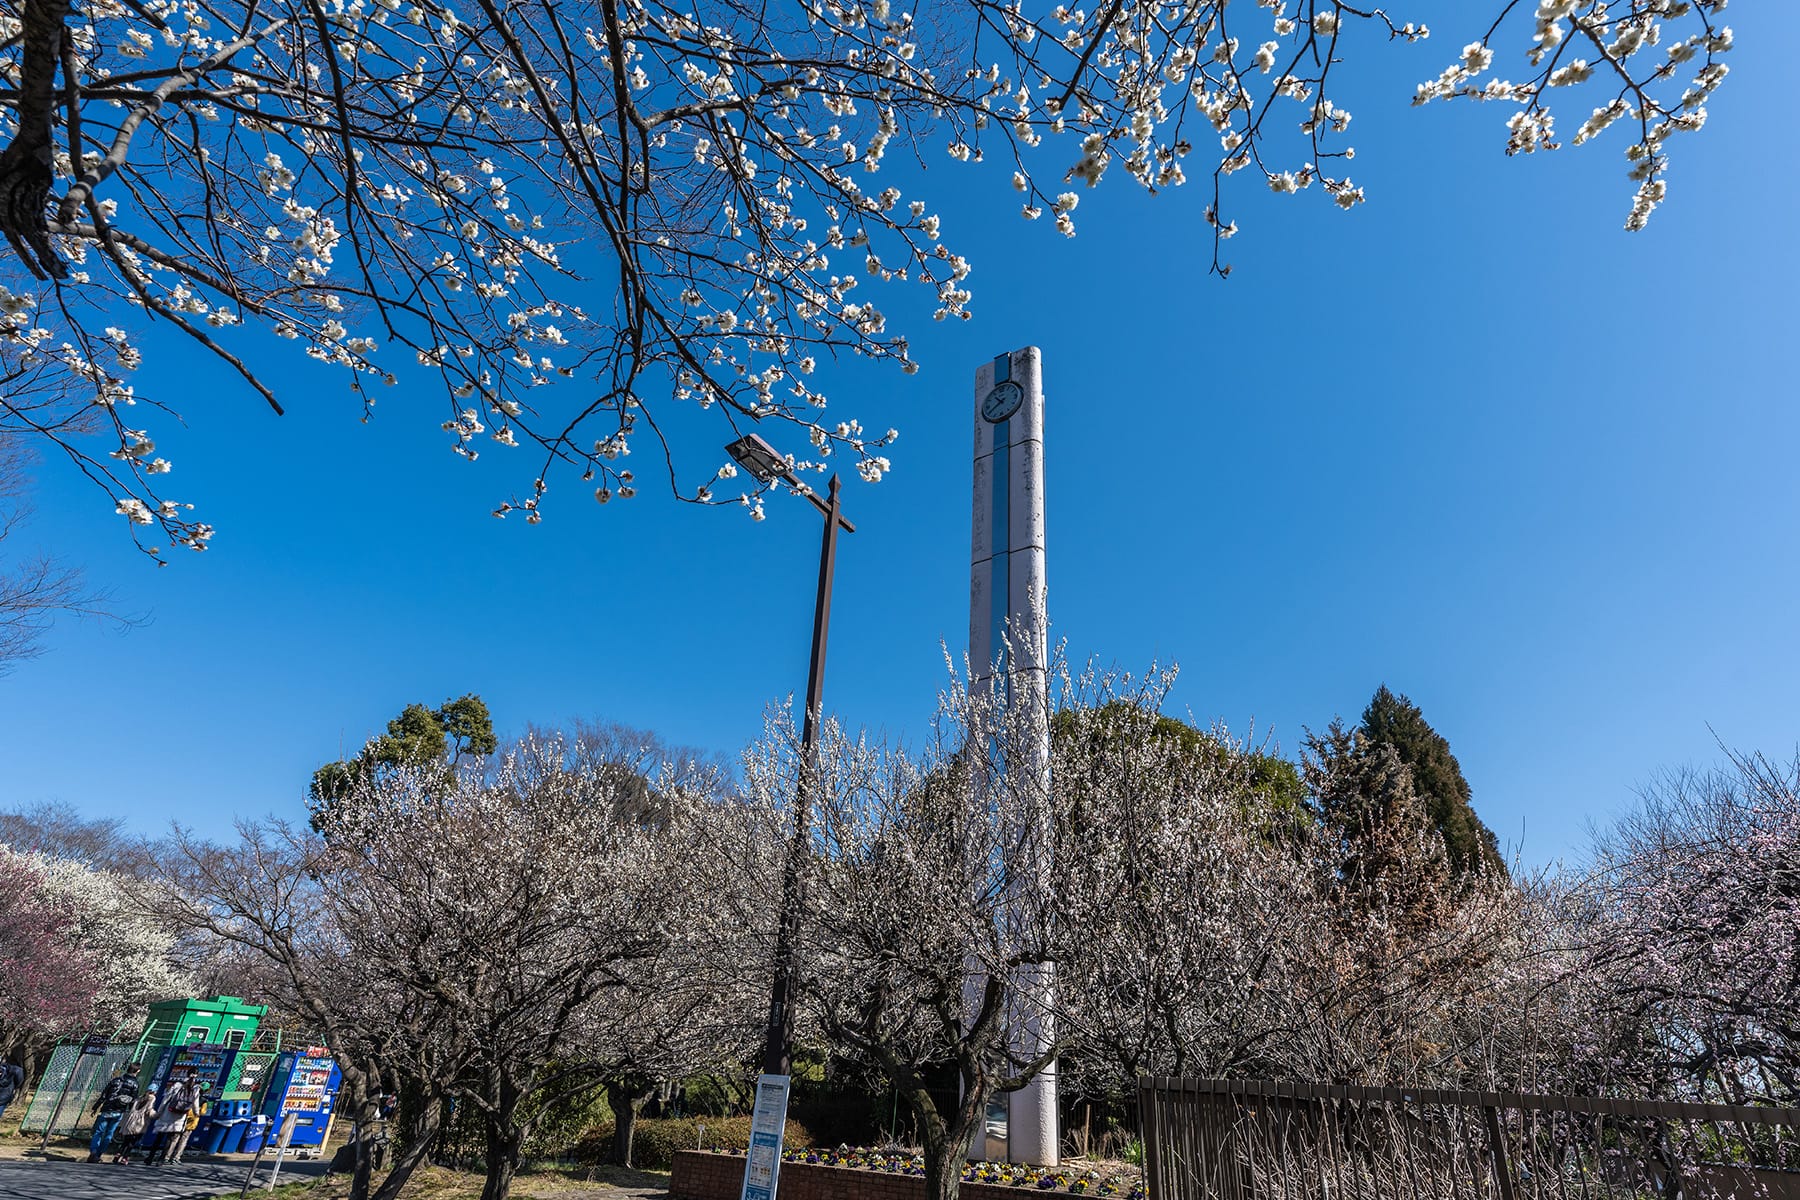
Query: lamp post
761	460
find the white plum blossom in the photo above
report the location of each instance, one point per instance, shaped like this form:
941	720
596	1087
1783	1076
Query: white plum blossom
417	197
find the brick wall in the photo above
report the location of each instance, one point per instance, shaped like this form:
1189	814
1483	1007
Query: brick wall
701	1175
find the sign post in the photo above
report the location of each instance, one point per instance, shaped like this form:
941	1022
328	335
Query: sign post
281	1145
768	1126
251	1177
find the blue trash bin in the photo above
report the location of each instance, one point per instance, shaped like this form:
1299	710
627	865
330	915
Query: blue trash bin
217	1134
255	1133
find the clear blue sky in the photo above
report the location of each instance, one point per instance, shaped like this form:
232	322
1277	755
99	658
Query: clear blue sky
1472	440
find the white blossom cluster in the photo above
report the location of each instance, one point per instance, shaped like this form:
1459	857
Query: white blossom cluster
670	215
130	952
1658	59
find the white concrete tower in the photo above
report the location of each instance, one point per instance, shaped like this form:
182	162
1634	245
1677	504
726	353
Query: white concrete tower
1009	635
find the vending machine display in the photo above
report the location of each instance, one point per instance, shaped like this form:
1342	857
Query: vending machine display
303	1082
205	1063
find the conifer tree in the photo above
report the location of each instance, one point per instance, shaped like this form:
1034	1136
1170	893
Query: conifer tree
1437	779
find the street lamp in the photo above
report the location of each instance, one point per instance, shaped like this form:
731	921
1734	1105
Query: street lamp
763	461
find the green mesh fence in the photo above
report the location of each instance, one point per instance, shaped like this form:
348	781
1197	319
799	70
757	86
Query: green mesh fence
69	1085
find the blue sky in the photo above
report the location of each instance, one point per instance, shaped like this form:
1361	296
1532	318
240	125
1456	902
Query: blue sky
1471	440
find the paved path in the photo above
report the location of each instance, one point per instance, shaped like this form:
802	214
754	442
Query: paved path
61	1179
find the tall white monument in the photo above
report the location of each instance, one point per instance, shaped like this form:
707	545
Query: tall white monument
1009	637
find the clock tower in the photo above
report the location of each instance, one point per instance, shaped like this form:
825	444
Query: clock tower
1009	650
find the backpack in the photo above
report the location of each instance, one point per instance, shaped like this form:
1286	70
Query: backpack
119	1095
182	1102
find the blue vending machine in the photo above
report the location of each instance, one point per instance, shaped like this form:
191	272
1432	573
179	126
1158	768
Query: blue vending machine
207	1065
303	1082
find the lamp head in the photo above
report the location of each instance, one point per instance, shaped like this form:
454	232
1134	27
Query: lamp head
759	458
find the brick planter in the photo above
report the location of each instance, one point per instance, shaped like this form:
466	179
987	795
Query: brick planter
701	1175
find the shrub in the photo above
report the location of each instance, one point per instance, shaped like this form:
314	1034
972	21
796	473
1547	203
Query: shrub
654	1145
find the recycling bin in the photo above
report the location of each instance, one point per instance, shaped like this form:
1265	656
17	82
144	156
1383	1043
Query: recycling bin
220	1133
256	1132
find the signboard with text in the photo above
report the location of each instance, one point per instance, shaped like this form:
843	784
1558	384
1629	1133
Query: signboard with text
768	1125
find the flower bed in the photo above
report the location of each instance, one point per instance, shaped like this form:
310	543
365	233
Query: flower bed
1083	1181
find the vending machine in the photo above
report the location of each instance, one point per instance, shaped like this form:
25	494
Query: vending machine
207	1064
303	1082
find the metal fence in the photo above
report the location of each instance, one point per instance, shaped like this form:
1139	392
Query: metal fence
70	1083
1248	1140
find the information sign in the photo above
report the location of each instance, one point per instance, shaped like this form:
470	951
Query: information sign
251	1069
96	1045
768	1125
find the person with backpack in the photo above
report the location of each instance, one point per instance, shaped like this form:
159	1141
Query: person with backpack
171	1120
131	1129
12	1082
180	1145
110	1107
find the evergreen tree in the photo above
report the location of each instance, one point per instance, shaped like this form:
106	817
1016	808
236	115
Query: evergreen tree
1437	779
418	737
1390	857
1270	787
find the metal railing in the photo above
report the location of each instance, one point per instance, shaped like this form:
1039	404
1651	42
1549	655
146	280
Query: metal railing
1252	1140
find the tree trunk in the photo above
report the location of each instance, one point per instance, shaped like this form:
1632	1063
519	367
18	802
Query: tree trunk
944	1159
25	165
421	1134
363	1115
359	1174
504	1141
624	1103
947	1142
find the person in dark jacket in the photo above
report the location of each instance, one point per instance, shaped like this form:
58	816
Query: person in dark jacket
110	1107
12	1082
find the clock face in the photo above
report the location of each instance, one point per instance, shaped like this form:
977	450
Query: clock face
1003	401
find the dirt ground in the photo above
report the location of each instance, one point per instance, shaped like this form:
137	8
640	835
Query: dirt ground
14	1145
439	1183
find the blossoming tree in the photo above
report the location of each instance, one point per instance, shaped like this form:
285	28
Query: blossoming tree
588	224
1218	931
83	954
49	984
1693	953
924	909
499	934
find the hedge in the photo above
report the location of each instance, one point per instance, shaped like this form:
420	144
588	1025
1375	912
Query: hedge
654	1142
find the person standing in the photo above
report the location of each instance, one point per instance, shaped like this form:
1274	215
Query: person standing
110	1107
131	1129
187	1129
171	1120
12	1082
